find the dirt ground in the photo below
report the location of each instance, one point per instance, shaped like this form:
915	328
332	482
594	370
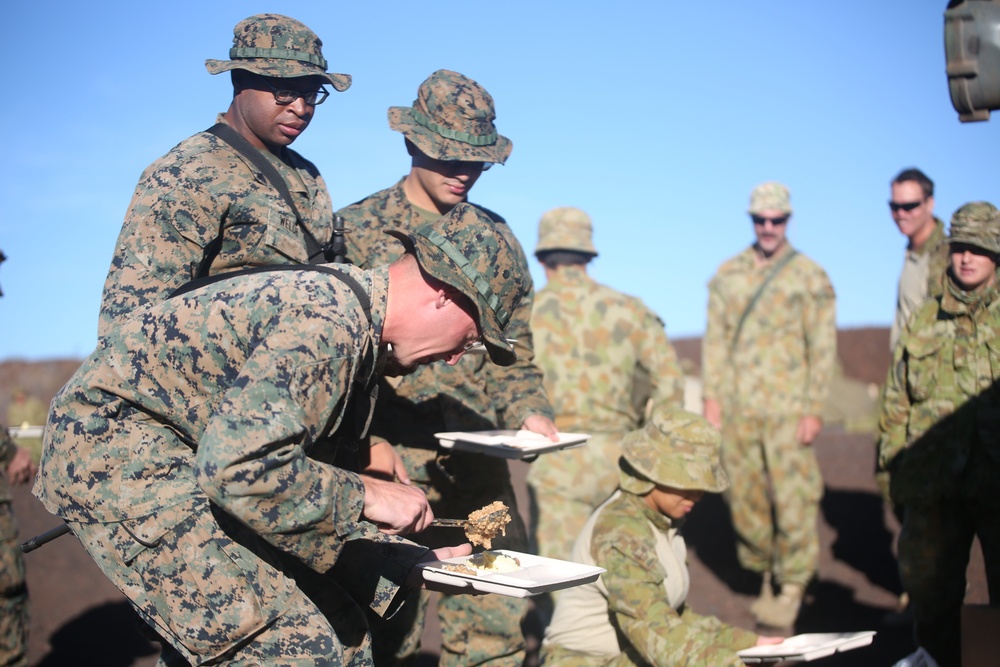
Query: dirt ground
79	619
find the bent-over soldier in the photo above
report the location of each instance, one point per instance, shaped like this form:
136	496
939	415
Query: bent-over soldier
187	452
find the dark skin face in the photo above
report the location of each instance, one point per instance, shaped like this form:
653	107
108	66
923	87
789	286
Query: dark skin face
256	115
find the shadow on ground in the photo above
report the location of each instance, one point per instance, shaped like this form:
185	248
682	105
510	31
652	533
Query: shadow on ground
99	636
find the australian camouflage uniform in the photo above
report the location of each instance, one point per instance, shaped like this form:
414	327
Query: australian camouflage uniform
776	372
595	345
471	395
185	455
939	442
636	613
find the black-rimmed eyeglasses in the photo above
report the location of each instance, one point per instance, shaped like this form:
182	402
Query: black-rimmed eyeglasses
284	96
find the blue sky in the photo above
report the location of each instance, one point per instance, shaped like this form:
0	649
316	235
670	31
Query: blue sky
657	118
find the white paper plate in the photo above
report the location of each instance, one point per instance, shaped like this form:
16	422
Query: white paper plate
508	443
537	575
808	647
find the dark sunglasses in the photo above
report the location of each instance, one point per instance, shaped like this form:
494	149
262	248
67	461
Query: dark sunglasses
760	220
906	206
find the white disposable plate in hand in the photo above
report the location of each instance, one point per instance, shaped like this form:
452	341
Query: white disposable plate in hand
508	443
537	574
806	647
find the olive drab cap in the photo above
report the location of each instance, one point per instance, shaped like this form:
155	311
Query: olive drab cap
452	119
675	448
278	46
566	228
464	249
770	197
977	224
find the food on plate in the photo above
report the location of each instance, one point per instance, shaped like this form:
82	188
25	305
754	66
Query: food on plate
486	523
493	562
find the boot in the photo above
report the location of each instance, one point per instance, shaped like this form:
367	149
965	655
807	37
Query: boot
782	610
766	594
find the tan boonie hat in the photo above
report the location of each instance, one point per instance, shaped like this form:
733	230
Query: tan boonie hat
452	119
465	249
770	197
977	224
278	46
675	448
566	228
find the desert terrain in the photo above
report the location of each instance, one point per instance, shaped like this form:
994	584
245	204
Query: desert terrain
79	619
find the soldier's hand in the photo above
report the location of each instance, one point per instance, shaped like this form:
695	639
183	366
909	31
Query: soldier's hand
543	425
21	468
416	580
395	508
386	463
809	428
712	412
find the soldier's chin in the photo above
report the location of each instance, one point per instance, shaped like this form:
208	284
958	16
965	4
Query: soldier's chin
393	368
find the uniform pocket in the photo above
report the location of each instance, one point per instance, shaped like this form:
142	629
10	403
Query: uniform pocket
207	591
923	362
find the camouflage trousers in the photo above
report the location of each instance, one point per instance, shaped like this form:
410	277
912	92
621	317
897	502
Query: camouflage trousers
774	493
13	593
557	656
217	601
934	546
565	487
475	630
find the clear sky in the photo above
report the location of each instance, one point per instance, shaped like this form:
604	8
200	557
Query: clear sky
657	118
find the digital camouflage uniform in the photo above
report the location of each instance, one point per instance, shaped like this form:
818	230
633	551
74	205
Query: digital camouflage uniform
940	443
593	343
14	619
204	186
636	612
778	371
183	454
471	395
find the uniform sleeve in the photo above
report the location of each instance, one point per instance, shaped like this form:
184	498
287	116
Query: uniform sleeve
894	409
162	239
819	324
517	390
657	356
7	447
714	347
639	607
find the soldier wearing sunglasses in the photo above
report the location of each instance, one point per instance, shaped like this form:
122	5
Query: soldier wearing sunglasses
207	207
926	259
768	360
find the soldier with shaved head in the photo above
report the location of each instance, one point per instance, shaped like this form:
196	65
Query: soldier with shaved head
189	452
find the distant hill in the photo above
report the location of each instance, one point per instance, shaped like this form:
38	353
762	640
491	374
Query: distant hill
863	352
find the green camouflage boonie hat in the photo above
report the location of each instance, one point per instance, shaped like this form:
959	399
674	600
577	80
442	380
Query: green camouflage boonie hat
566	228
452	119
977	224
278	46
770	197
465	249
675	448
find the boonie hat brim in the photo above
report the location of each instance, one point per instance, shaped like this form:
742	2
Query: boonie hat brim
279	69
436	263
434	145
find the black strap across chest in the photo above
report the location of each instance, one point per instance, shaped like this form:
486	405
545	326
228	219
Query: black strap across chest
315	250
